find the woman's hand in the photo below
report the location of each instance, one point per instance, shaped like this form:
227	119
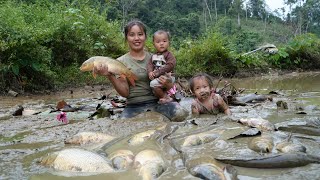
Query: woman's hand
166	81
102	70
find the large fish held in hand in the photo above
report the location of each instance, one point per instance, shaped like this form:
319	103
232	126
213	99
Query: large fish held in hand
114	67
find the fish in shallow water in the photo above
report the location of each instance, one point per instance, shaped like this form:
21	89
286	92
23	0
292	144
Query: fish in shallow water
209	169
139	138
114	67
88	138
261	124
286	160
122	159
261	144
197	139
287	146
77	160
150	164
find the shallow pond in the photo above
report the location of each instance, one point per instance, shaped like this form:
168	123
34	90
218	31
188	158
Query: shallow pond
25	139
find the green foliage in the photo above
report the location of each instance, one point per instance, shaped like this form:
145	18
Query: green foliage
208	54
43	42
300	52
40	38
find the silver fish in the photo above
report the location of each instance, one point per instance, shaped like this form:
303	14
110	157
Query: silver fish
88	138
150	164
77	160
122	159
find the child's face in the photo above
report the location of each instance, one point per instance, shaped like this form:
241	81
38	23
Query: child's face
201	88
161	42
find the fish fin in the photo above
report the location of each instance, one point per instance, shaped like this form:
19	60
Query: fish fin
132	78
94	75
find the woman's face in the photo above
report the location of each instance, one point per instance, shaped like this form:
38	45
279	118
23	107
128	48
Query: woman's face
136	38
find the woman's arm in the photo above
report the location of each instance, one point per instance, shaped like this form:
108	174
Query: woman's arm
120	84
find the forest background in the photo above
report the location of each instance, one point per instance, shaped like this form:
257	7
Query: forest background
44	42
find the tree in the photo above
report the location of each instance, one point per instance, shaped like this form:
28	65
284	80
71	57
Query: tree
237	8
257	8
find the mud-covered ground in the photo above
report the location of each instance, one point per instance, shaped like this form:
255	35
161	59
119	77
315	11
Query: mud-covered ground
25	139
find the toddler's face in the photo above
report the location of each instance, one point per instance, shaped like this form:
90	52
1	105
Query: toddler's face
161	42
201	88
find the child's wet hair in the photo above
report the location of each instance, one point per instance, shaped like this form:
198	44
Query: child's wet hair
201	75
161	32
132	23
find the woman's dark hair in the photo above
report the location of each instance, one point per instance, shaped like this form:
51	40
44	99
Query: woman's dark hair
131	23
201	75
161	32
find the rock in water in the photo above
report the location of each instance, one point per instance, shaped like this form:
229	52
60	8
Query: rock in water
77	160
150	164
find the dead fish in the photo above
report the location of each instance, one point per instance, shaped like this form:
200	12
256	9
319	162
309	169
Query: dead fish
77	160
285	160
261	144
261	124
122	159
197	139
253	97
287	146
150	164
139	138
89	138
208	172
209	169
302	129
114	66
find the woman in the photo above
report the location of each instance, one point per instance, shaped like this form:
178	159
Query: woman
140	97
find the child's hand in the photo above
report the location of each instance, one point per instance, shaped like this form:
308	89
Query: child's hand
151	75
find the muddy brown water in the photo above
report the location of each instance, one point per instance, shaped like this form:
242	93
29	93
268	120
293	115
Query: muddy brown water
25	139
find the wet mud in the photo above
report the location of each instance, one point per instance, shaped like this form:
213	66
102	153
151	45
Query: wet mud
180	147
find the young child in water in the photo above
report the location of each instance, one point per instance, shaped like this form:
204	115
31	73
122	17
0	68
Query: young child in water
161	63
206	101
